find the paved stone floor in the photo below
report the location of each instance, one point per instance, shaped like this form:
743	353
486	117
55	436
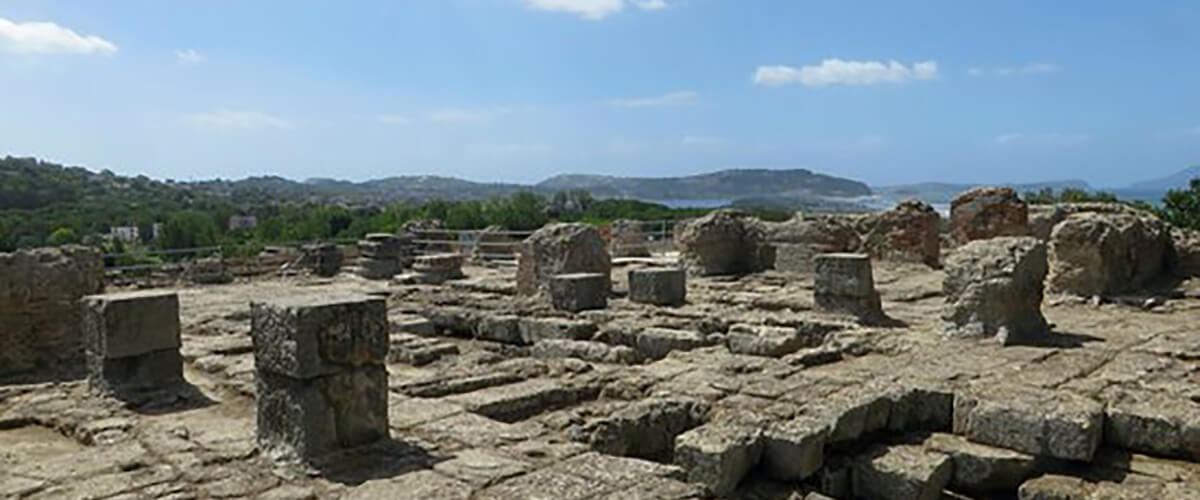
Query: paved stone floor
494	396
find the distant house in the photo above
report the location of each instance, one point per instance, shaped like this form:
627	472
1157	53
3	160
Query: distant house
237	222
127	234
156	230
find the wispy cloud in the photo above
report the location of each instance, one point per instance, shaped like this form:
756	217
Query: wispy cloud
231	120
676	98
188	57
394	119
651	4
1005	71
1050	139
838	72
594	10
38	38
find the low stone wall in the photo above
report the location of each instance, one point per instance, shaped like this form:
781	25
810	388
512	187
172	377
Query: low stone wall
40	312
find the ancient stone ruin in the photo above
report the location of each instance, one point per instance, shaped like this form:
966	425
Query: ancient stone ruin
983	213
324	259
724	242
380	256
1103	254
627	239
321	379
39	311
910	232
994	289
132	341
560	249
765	385
844	283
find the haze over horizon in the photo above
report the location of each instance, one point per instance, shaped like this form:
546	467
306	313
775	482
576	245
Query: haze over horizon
521	90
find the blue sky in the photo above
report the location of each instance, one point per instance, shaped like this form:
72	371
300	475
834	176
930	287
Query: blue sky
518	90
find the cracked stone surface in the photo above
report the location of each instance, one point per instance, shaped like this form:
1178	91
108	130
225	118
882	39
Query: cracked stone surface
744	391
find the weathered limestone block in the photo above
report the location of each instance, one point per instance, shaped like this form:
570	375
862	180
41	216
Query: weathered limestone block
306	418
851	414
499	328
1055	487
724	242
901	472
908	233
803	237
1032	420
310	335
438	268
993	288
980	468
534	330
772	341
325	259
843	283
1153	423
1185	254
1102	254
656	343
628	240
646	429
494	243
132	340
208	271
322	384
512	402
794	449
718	455
983	213
921	409
579	291
560	249
587	350
658	286
40	312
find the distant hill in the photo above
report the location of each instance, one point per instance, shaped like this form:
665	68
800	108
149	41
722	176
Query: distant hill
721	185
940	192
1177	180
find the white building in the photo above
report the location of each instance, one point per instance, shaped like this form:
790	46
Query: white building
128	234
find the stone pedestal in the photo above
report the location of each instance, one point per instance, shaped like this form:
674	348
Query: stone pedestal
131	341
321	380
659	286
379	256
579	291
843	283
324	258
993	289
440	267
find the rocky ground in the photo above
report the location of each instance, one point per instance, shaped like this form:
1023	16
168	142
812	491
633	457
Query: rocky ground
744	392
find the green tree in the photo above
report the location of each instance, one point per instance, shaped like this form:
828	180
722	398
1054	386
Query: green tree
62	236
1181	207
190	229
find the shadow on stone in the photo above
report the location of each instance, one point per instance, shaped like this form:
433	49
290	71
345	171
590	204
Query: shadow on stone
178	397
1059	339
381	460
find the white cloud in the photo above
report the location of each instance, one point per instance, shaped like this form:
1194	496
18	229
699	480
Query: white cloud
1004	71
393	119
594	10
467	116
1051	139
49	38
669	99
188	57
651	4
699	140
839	72
237	121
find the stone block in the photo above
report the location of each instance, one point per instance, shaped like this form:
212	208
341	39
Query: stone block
718	455
579	291
305	336
980	468
657	343
646	428
772	341
1153	423
499	328
1032	420
843	283
306	418
658	286
901	472
1055	487
121	325
513	402
993	288
587	350
561	249
156	369
795	449
537	329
